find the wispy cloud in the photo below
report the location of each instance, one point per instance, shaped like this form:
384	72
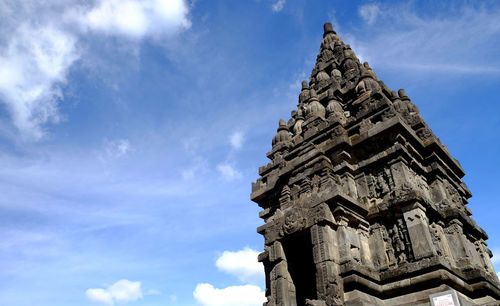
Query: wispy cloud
236	140
369	12
458	42
122	291
114	149
228	172
278	5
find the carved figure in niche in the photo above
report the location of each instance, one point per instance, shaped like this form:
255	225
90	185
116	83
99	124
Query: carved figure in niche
381	186
436	239
406	238
315	183
398	243
388	245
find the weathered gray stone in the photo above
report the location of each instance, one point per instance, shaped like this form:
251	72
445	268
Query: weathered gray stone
362	204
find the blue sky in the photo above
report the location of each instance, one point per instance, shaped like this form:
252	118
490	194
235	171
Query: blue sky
130	132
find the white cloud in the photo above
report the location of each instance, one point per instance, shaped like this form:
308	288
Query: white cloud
39	43
278	5
135	19
369	12
246	295
35	64
122	291
98	295
243	264
236	140
228	172
116	148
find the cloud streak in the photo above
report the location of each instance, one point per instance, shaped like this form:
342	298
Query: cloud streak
460	42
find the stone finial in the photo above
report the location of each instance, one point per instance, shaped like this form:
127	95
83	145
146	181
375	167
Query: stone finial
304	94
328	28
283	133
402	94
315	108
282	125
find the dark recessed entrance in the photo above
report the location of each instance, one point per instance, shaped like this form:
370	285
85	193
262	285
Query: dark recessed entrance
299	256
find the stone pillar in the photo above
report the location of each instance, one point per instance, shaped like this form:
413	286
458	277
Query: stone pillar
328	283
417	225
282	287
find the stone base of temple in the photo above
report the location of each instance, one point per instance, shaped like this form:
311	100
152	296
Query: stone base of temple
419	298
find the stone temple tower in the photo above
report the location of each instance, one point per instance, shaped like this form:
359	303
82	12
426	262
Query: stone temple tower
362	203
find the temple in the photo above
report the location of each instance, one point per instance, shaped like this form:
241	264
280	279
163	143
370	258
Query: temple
362	203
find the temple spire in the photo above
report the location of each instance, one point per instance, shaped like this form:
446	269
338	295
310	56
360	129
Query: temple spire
362	204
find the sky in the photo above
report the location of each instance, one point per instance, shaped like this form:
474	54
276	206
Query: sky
130	132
